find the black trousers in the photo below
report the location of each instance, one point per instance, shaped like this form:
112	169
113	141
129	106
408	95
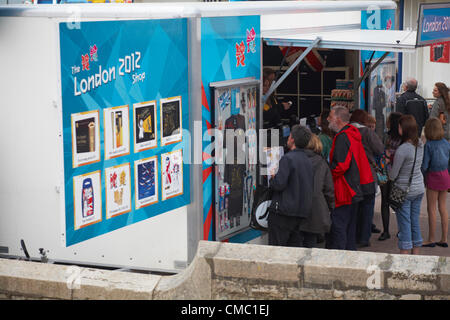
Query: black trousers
284	231
385	189
343	228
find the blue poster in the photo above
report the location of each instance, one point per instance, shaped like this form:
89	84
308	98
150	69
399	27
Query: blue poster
125	109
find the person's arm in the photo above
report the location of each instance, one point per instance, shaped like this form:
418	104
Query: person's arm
399	159
328	188
448	144
435	109
426	159
376	144
342	156
400	105
280	180
426	113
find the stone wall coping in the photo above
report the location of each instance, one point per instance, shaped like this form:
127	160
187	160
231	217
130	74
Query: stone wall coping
258	271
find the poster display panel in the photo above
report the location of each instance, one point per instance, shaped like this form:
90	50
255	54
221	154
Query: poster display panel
382	94
236	114
118	80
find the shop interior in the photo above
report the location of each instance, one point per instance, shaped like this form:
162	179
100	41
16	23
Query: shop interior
312	91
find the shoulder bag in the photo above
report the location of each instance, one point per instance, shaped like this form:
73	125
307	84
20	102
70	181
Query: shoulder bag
396	195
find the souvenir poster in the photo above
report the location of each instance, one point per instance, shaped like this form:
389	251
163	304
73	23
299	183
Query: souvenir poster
88	199
116	131
85	138
146	181
172	174
170	120
144	126
118	190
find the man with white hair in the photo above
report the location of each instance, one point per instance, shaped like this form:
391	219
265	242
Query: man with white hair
352	178
411	103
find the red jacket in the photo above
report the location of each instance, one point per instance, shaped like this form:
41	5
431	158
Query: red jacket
352	175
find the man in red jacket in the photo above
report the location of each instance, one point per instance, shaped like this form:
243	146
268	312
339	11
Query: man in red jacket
351	176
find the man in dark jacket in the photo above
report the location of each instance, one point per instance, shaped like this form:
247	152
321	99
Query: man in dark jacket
411	103
352	177
293	187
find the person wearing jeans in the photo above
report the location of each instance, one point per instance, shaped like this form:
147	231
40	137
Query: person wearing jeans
407	164
409	237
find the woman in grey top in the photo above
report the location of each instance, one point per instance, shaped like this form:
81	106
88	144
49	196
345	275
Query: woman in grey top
410	238
441	107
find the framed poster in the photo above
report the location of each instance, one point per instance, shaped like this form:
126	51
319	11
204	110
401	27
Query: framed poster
146	182
170	120
87	199
144	120
116	132
85	138
118	190
172	174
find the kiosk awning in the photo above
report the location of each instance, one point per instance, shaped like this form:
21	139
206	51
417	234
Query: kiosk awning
350	39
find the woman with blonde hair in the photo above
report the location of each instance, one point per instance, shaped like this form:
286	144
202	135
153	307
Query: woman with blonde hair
319	222
435	168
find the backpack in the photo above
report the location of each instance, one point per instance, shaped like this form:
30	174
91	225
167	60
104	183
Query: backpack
260	209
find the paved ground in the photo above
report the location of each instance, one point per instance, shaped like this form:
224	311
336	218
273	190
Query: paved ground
390	245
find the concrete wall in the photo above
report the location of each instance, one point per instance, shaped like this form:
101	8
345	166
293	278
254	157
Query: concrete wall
242	271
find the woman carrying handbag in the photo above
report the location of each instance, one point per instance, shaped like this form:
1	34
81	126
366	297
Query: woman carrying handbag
407	186
392	141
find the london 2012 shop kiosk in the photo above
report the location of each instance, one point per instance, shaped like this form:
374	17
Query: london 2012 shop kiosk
111	114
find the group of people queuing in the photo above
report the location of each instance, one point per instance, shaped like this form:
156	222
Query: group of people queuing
326	184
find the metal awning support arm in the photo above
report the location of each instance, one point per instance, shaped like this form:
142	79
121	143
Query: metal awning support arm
291	68
369	71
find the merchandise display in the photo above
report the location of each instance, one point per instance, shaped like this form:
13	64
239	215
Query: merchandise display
343	95
236	156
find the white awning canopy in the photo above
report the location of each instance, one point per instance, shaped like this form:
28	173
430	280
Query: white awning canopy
350	39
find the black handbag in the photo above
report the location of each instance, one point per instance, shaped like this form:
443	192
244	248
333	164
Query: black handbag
396	195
